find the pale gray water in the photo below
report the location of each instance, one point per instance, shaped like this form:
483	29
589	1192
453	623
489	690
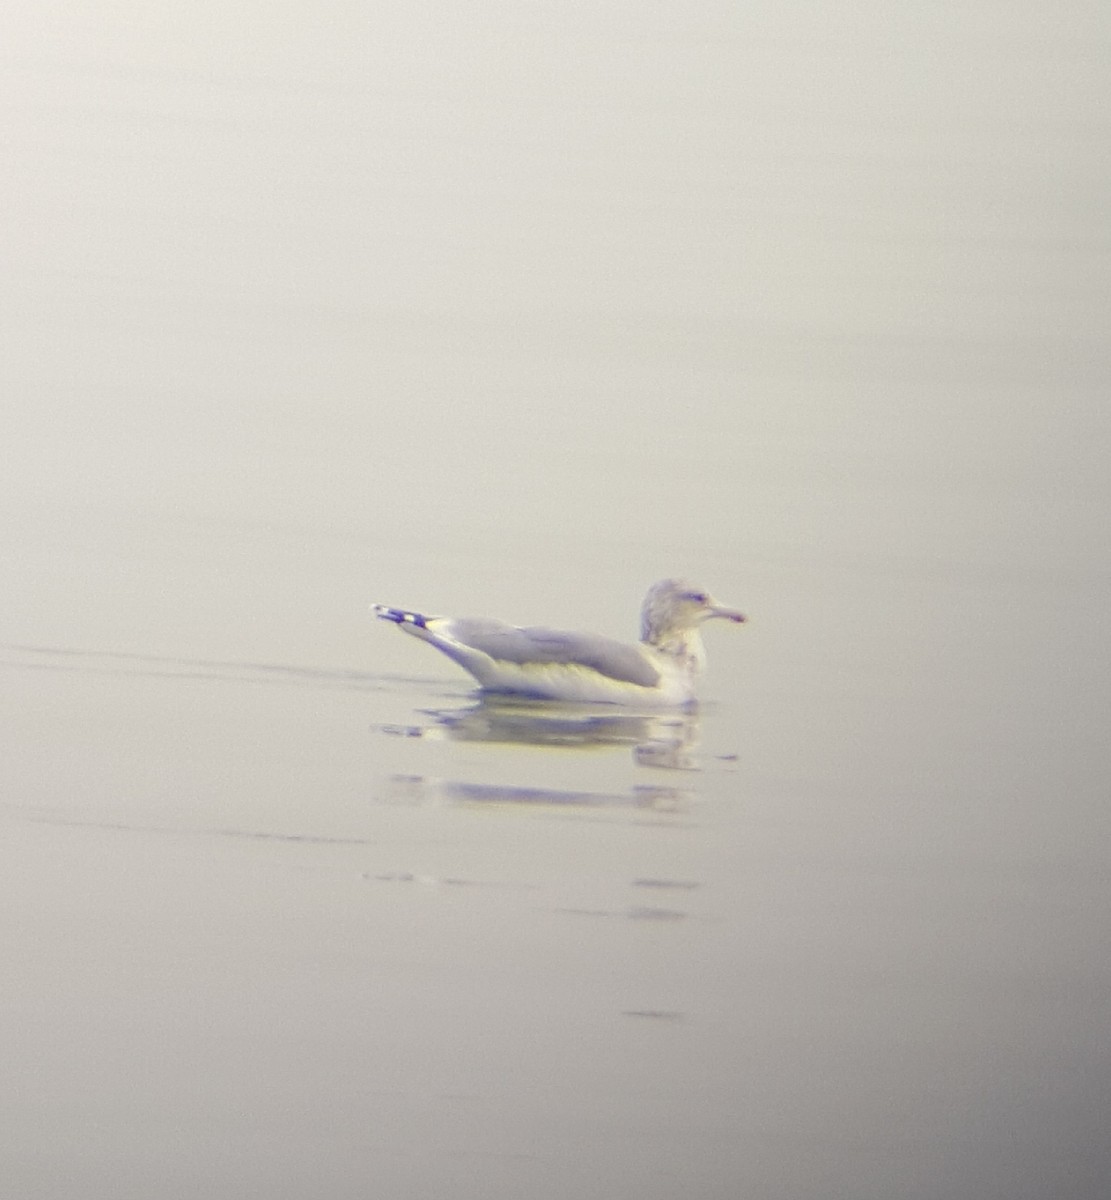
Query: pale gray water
510	311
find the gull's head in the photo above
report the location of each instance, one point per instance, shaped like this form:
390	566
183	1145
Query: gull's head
674	607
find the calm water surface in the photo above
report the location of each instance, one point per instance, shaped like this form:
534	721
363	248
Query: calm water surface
510	313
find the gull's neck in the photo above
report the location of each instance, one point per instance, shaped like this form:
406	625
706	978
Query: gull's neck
682	644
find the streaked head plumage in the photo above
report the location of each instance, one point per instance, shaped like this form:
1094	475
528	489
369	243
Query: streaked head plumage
674	607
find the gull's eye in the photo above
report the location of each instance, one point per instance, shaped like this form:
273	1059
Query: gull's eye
698	597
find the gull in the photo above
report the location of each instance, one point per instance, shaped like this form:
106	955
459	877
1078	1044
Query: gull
582	668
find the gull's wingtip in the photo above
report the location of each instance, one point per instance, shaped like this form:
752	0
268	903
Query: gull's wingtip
400	616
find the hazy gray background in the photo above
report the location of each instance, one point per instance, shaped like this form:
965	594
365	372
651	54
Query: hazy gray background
512	309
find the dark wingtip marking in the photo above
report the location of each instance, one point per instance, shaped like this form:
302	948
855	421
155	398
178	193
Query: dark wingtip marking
401	617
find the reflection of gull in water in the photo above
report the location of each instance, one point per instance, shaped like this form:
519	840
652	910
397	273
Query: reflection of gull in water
414	790
554	664
495	720
658	740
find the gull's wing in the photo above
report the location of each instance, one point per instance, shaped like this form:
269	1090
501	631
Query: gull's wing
461	638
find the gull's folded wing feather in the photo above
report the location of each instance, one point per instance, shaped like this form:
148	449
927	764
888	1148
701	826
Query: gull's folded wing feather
510	644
